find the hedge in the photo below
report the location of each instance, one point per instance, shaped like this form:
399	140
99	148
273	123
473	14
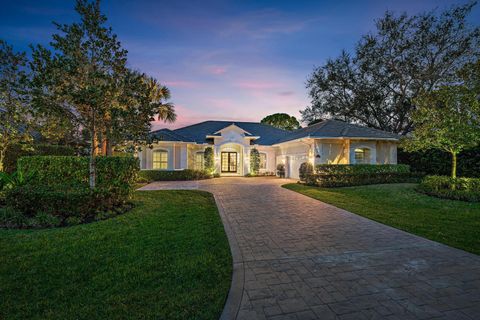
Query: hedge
465	189
177	175
334	175
361	168
15	151
349	180
436	162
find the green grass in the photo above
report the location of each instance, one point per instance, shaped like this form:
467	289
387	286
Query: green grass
166	259
454	223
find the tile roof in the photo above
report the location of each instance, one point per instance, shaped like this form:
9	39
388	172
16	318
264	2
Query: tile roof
270	135
338	129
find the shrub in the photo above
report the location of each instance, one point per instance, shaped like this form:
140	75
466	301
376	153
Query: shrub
45	220
180	175
465	189
348	180
281	170
115	176
330	176
437	162
209	160
306	169
63	203
254	161
16	151
361	168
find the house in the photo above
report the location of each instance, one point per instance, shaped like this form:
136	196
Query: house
326	142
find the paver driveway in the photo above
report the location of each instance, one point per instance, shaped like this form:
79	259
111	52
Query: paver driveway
304	259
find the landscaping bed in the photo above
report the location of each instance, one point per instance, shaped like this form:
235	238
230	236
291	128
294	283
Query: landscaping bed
168	258
177	175
451	222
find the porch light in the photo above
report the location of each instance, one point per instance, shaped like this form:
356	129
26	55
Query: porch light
317	156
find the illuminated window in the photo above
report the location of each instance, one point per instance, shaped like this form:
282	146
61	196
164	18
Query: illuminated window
199	161
263	161
362	155
160	159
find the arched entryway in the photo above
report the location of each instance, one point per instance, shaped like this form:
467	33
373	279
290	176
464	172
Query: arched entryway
231	159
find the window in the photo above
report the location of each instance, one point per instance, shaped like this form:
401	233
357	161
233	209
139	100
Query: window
362	155
263	161
160	159
199	161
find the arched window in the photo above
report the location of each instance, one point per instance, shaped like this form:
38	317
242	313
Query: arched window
199	160
362	155
263	161
160	159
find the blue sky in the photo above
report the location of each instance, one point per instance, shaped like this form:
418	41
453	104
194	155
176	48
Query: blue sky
233	60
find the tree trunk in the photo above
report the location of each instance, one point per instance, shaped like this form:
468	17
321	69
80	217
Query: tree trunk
454	164
104	147
93	152
2	157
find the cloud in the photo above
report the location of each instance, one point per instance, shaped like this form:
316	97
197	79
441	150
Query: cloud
286	93
216	70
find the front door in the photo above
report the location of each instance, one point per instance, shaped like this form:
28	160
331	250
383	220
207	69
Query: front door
229	162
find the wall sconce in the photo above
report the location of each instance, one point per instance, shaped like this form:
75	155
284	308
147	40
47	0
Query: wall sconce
317	156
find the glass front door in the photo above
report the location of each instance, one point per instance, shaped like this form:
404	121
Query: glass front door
229	162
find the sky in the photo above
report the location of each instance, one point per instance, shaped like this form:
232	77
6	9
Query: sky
222	60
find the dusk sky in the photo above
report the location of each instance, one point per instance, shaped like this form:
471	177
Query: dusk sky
222	60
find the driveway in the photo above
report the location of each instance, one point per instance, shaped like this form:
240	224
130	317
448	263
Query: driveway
299	258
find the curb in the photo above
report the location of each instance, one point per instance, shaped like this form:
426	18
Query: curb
235	294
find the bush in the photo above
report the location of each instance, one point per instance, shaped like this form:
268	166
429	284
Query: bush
349	180
437	162
281	170
330	176
115	176
254	161
180	175
361	168
305	170
209	160
465	189
63	203
16	151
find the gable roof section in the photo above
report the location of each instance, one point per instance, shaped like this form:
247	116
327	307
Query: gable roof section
270	135
338	129
169	135
198	132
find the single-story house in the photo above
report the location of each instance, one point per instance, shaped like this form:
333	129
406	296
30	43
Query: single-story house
326	142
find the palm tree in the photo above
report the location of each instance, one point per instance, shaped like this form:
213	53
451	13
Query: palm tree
159	94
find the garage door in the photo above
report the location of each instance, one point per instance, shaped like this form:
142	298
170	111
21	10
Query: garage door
293	164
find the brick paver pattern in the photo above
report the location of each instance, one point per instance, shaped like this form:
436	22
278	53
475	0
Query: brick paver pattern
304	259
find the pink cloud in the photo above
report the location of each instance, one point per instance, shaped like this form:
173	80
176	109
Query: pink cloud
216	70
258	85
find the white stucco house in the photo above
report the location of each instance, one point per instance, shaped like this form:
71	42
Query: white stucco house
326	142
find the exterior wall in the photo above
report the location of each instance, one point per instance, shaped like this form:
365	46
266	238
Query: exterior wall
192	149
293	154
177	155
334	151
271	158
358	144
386	152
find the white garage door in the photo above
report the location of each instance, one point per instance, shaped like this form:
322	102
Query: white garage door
293	164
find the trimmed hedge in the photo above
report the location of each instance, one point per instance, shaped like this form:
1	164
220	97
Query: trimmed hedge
114	175
361	168
331	176
59	186
465	189
350	180
305	170
15	152
178	175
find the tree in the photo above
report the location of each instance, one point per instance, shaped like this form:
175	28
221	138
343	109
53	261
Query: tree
282	121
14	100
254	161
377	85
449	117
82	79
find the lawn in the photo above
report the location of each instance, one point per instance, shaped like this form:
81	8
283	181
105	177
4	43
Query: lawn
454	223
168	258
